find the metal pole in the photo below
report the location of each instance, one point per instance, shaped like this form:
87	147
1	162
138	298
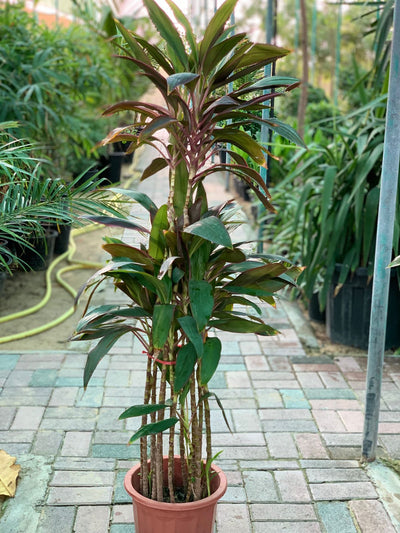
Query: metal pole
384	243
266	113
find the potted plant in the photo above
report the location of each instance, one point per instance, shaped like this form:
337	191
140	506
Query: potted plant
189	277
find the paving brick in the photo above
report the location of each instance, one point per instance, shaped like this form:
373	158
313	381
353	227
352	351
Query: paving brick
19	435
310	446
84	463
43	377
238	439
237	379
69	424
233	517
47	442
92	397
276	384
116	451
79	496
76	443
294	399
74	478
122	514
314	367
286	527
324	475
256	362
260	486
269	464
333	380
244	452
371	516
336	517
315	463
57	519
275	377
292	486
92	519
289	425
330	394
279	363
389	427
246	420
342	491
284	414
342	439
392	444
282	511
281	445
328	420
234	495
28	417
8	361
268	399
19	378
310	380
348	364
63	396
7	415
353	420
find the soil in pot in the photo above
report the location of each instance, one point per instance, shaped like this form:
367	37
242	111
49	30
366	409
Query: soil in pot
193	517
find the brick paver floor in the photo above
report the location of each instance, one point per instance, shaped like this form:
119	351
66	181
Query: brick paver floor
292	460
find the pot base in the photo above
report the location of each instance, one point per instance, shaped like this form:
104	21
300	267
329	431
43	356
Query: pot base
155	517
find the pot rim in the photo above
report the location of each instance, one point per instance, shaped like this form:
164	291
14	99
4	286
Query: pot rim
176	507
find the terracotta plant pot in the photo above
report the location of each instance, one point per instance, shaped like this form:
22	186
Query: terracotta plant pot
155	517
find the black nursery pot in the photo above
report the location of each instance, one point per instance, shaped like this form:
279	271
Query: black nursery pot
61	243
348	313
116	159
41	258
314	311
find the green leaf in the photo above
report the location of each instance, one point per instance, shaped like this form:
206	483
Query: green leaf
243	141
241	325
124	250
395	262
153	428
185	363
157	242
156	124
261	273
132	43
166	265
139	197
180	189
116	222
267	83
181	18
162	320
201	302
101	349
157	164
167	31
189	326
210	359
140	410
370	216
211	229
182	78
216	26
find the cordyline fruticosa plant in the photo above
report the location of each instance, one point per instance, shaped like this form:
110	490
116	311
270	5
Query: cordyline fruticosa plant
190	276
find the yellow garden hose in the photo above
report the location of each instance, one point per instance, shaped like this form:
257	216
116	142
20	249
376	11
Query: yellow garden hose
75	266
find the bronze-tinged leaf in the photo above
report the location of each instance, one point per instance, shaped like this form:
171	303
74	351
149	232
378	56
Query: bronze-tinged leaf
8	474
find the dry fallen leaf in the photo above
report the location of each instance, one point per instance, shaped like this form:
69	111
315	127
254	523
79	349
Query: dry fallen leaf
8	474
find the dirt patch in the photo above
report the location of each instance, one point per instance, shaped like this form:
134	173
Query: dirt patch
26	289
